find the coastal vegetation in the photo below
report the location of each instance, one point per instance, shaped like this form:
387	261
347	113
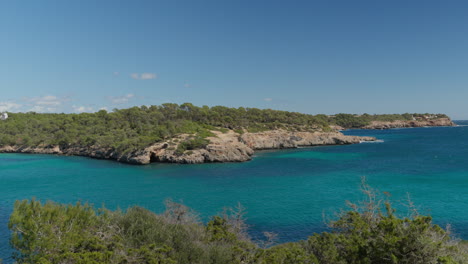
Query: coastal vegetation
131	129
359	121
369	232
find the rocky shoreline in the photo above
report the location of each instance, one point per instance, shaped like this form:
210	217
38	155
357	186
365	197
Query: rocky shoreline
380	125
410	123
223	147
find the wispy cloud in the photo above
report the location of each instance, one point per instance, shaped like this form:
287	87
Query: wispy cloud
144	76
48	100
121	99
81	109
47	103
42	109
9	106
268	99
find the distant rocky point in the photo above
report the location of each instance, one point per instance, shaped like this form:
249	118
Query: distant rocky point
410	123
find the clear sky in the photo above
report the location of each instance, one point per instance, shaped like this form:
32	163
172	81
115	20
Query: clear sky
306	56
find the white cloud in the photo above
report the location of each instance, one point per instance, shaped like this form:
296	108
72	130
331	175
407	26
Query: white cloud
47	103
121	99
48	100
42	109
81	109
268	99
9	106
144	76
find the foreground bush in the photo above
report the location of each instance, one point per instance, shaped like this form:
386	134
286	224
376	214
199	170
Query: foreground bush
56	233
368	234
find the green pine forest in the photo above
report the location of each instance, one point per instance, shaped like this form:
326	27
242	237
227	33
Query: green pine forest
134	128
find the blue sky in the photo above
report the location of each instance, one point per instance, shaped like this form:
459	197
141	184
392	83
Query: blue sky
305	56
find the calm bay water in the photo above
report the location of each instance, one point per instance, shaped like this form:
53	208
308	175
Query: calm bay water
285	191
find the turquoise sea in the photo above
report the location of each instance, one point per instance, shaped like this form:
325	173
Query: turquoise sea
286	192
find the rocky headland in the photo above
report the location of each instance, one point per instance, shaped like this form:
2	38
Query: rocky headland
189	134
409	123
222	147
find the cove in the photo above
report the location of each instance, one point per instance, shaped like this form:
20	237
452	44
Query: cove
284	191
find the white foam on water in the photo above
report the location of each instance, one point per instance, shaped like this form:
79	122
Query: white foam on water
375	141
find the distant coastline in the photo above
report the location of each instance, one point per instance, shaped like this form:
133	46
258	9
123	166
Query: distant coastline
379	125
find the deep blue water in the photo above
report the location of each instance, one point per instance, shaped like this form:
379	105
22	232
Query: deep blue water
285	191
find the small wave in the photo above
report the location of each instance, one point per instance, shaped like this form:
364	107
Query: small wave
375	141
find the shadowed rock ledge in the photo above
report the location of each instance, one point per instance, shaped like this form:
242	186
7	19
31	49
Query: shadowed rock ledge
223	147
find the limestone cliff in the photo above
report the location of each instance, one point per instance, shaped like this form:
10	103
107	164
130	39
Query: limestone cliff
410	123
278	139
223	147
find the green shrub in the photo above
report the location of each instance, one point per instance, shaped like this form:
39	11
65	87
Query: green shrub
370	232
191	144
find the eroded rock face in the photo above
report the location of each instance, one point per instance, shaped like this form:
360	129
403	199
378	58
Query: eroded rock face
278	139
233	147
410	123
223	147
31	150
